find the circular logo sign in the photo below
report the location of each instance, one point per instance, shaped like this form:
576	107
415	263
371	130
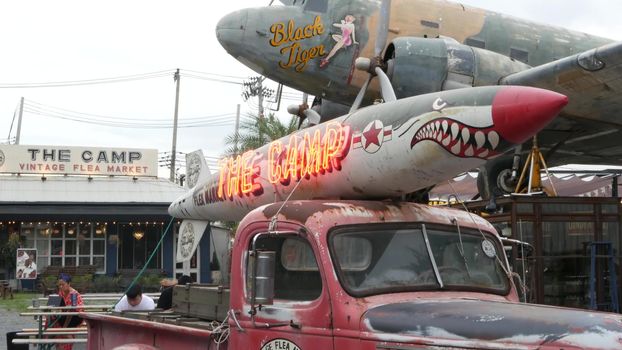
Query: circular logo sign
489	249
1	158
280	344
193	169
187	240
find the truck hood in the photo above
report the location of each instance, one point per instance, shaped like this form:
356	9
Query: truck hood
496	323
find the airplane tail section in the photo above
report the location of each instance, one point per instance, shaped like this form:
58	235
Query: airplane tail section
197	169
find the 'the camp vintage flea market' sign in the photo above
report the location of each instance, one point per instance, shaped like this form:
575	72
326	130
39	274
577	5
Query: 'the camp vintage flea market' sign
31	159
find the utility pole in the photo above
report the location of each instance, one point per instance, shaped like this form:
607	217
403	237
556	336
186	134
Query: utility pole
260	96
237	129
174	151
19	121
254	87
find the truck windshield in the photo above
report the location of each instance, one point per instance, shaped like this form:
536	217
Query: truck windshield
379	259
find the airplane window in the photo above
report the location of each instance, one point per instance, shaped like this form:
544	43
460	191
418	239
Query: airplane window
316	6
519	55
429	24
475	43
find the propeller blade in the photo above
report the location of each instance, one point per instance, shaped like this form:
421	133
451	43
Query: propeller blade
382	31
313	117
359	98
386	88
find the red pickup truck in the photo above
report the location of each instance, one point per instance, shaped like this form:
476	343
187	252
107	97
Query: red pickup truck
368	275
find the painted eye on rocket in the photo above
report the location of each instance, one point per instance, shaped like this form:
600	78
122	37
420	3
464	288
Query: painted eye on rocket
459	139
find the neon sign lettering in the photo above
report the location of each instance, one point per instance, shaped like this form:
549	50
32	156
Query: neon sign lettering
306	154
289	38
238	176
309	154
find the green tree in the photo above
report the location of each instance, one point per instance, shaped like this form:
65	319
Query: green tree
8	252
255	132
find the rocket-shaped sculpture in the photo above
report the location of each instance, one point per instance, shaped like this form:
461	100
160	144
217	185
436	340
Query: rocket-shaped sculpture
378	152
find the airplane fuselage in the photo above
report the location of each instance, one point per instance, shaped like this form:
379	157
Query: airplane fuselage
312	47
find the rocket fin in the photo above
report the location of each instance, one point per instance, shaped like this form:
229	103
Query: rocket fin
197	169
190	233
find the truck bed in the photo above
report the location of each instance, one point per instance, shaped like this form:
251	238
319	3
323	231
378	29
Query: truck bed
107	331
194	322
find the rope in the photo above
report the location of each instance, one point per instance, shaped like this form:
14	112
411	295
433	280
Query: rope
503	267
147	262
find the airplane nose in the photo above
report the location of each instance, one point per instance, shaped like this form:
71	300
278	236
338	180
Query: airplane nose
230	30
519	112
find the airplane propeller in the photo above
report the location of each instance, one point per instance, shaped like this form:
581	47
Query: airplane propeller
303	111
376	66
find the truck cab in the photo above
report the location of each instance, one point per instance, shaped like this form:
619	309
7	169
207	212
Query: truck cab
387	275
348	274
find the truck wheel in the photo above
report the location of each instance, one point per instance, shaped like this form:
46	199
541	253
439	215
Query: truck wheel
498	172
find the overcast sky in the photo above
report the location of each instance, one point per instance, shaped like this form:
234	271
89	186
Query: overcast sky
52	41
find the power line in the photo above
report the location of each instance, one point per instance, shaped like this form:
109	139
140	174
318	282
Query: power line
52	109
220	121
214	74
119	79
210	79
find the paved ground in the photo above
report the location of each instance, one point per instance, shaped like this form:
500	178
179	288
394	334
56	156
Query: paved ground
11	321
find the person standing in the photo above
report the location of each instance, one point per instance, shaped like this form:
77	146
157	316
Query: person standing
134	300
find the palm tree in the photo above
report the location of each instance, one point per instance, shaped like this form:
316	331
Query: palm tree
255	132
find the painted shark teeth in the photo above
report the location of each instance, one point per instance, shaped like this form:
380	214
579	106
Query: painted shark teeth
466	135
493	138
455	130
480	139
459	139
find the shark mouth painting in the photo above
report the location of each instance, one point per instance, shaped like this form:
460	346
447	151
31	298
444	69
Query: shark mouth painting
459	139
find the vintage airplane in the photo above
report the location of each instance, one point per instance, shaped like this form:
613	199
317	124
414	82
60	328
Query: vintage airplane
422	46
382	151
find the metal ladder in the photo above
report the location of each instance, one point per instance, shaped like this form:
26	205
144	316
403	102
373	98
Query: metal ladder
613	305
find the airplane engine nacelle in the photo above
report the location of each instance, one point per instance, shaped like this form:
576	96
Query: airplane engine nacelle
420	65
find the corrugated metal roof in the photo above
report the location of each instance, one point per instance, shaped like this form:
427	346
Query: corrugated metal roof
80	189
566	185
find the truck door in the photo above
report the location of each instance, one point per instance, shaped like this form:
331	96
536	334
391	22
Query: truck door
300	316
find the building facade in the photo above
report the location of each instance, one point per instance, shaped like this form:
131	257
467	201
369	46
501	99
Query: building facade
104	207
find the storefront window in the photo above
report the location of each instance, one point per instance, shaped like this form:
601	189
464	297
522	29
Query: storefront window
66	244
137	243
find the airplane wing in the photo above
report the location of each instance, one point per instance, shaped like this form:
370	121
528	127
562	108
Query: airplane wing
590	129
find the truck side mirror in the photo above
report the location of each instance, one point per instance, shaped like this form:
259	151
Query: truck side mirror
263	278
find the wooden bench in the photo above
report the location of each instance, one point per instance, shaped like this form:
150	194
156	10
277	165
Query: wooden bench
81	278
5	289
